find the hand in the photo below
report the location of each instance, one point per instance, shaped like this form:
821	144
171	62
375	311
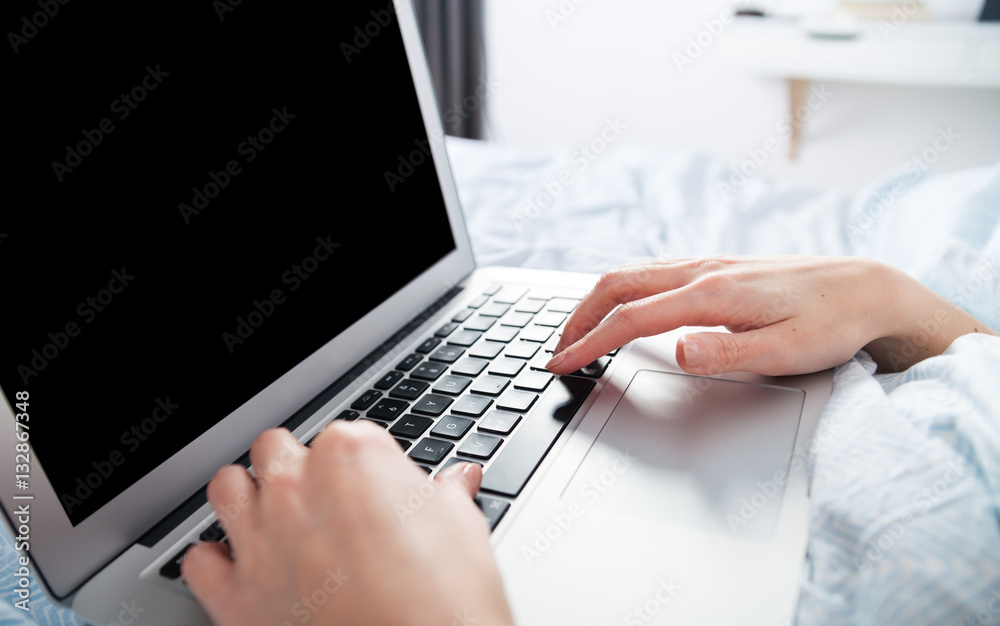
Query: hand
348	531
786	314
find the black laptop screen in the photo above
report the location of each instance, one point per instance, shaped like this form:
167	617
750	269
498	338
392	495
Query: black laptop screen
197	197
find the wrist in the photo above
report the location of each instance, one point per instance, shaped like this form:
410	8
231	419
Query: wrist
919	325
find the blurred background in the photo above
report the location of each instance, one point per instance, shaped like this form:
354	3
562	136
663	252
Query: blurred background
817	92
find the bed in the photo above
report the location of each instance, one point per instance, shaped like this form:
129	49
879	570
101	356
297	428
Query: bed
905	468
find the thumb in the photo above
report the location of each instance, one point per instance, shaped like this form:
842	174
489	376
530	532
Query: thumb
756	351
462	476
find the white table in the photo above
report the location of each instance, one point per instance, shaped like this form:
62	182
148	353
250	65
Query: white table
943	54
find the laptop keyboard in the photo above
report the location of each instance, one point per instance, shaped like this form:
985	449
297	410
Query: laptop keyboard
477	390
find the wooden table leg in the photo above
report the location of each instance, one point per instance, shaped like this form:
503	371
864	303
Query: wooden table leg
797	90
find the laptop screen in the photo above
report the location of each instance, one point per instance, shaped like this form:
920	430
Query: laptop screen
202	195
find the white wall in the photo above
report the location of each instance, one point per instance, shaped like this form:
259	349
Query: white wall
556	82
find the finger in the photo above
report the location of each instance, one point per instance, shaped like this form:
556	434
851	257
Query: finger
651	316
348	455
210	574
275	452
462	476
232	493
619	286
763	351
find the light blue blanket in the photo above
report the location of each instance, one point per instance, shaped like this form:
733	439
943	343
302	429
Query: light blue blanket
905	470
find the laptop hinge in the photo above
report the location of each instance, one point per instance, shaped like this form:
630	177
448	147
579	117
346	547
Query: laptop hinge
176	517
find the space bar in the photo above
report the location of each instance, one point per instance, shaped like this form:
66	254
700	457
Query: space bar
525	450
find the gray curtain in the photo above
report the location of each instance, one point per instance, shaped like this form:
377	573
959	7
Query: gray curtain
452	31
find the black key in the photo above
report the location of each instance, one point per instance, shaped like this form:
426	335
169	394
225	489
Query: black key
411	426
431	451
447	354
367	399
529	305
525	449
388	409
465	338
490	385
537	333
172	568
425	468
550	318
428	345
499	422
213	532
389	380
510	294
533	381
550	345
469	366
541	293
595	369
428	371
522	349
506	367
432	405
480	446
463	315
494	309
453	460
486	349
480	322
452	427
382	424
478	301
520	320
563	305
409	389
404	444
493	508
519	401
473	406
408	363
503	334
446	330
539	362
348	416
452	385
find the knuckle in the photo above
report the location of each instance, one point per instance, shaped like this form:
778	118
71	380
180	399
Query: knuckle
709	264
343	440
716	283
629	317
609	281
729	353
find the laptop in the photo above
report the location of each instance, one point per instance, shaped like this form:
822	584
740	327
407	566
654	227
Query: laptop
229	216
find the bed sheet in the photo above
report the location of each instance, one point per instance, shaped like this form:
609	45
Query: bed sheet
905	468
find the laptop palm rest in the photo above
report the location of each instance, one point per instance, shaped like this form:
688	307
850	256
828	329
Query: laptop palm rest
692	451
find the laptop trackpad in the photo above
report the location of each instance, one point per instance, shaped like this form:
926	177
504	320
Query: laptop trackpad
694	451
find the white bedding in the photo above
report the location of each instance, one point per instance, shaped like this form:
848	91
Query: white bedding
905	470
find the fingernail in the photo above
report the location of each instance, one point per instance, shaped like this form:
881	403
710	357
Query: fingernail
556	360
694	352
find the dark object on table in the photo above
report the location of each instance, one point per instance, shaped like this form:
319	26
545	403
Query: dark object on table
991	11
750	13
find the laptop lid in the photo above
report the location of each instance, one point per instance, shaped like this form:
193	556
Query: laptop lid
215	211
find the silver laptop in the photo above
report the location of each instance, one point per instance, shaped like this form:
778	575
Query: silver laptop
228	217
